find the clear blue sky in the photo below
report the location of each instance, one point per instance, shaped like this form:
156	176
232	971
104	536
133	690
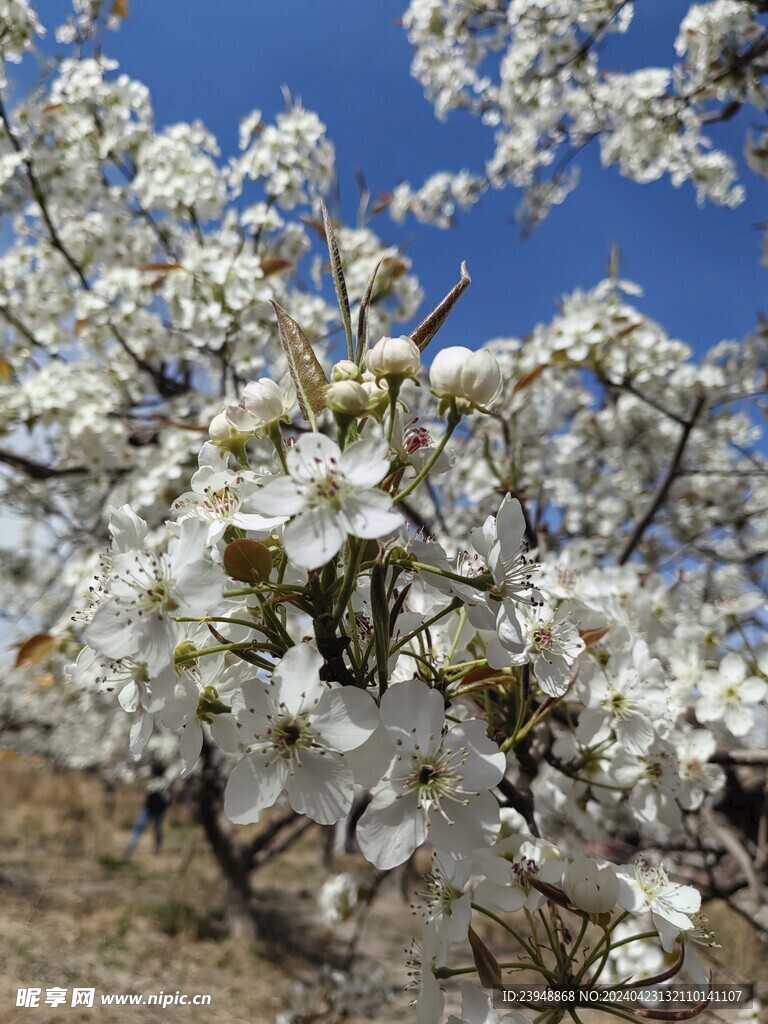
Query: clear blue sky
349	60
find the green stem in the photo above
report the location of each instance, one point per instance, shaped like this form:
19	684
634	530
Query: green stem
478	582
394	391
455	603
282	634
459	628
350	579
454	418
277	440
241	646
535	965
217	618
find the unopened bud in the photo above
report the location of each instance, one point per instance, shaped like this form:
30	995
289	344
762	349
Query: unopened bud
397	358
474	377
347	398
345	369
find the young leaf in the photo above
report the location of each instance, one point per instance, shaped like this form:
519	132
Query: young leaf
275	265
362	316
338	279
488	970
305	368
428	328
34	650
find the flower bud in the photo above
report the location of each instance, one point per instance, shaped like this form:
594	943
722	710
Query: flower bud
458	372
345	369
346	397
220	430
394	357
378	397
268	403
590	887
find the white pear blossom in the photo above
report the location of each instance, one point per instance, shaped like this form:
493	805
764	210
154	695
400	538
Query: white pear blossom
510	868
135	618
478	1008
437	784
396	358
629	698
729	695
647	889
296	730
474	377
590	887
222	499
265	404
332	495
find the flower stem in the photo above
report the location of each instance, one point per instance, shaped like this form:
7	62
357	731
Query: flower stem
454	418
277	440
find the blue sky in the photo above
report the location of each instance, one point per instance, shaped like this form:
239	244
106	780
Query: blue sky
349	60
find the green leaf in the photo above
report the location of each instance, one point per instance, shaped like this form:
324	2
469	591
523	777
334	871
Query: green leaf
429	327
339	283
362	316
305	368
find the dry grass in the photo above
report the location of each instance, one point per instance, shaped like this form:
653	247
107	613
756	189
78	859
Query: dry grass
75	912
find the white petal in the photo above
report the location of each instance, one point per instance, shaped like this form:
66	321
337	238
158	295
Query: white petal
365	463
314	537
483	764
388	833
141	730
474	825
297	679
413	715
158	640
199	586
190	747
256	523
313	456
280	497
552	674
253	786
128	697
369	514
738	720
371	760
225	733
322	787
510	525
345	718
126	529
110	633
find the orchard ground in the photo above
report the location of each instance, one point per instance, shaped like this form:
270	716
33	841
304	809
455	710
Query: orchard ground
74	911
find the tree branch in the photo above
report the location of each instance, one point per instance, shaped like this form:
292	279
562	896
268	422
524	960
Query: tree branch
659	497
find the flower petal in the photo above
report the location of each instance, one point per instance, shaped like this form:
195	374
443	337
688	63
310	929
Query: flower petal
413	716
313	456
254	785
345	718
314	537
322	787
279	497
365	463
296	679
369	514
389	832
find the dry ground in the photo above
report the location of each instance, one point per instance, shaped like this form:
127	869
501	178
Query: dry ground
75	912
